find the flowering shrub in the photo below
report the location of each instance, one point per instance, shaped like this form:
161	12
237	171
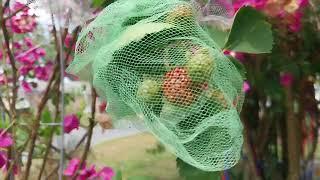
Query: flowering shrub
87	172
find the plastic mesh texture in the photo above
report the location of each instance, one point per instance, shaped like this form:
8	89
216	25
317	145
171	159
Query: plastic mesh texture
152	58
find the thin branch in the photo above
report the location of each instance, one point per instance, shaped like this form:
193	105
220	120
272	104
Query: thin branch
51	133
36	124
16	12
90	130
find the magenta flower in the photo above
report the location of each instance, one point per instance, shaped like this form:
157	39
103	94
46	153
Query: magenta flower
106	173
28	42
22	23
286	79
237	55
87	173
27	59
41	73
26	87
17	45
5	139
25	69
72	167
3	159
295	24
3	79
257	4
68	41
246	87
40	52
70	123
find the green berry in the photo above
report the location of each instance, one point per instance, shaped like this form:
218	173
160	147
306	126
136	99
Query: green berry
149	91
200	65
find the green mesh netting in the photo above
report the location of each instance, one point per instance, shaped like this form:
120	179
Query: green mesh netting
152	58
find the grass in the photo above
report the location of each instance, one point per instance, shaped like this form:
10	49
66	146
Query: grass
129	154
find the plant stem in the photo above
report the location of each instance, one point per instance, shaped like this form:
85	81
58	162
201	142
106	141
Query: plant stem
293	148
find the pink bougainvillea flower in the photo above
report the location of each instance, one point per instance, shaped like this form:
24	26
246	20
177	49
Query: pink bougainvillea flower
25	69
3	159
72	167
26	87
70	123
87	173
286	79
5	139
246	87
106	173
1	55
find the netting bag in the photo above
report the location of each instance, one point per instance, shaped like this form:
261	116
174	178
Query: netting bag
153	59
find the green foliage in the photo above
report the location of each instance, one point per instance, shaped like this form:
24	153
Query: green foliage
250	32
189	172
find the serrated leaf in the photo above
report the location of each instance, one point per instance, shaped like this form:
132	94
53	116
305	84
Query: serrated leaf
250	32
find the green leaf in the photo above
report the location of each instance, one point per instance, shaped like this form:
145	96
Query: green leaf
118	175
98	3
141	178
46	116
219	36
250	33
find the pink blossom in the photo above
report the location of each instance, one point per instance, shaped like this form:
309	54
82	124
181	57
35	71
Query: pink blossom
22	23
70	122
87	173
237	55
295	24
18	6
1	55
258	4
17	45
3	79
102	106
68	41
106	173
286	79
26	87
25	69
5	139
72	167
40	52
28	42
3	159
41	73
303	3
246	87
28	58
